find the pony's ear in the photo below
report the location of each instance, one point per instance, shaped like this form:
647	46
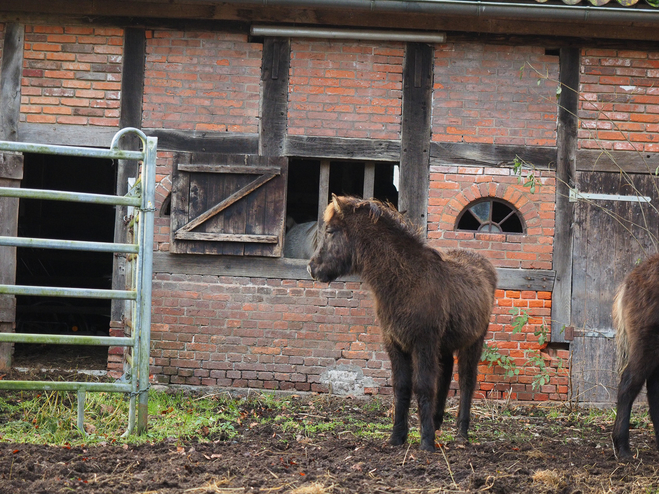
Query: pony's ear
337	204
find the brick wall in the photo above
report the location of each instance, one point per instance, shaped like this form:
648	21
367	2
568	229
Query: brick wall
284	334
493	381
619	100
202	81
479	95
452	188
72	75
260	333
345	89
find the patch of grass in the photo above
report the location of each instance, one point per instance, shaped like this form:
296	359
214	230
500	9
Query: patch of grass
51	418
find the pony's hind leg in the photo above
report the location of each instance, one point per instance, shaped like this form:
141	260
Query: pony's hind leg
401	377
468	359
631	382
443	383
653	401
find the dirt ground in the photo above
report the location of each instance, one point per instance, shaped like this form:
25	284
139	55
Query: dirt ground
514	449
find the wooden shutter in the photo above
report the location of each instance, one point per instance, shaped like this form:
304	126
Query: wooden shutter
228	204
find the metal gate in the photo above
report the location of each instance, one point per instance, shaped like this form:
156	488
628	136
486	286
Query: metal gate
141	197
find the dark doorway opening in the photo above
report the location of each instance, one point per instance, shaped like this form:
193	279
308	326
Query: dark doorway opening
62	268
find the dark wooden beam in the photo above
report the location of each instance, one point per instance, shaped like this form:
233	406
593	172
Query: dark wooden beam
10	81
11	173
566	140
132	91
342	148
205	142
415	132
616	161
296	269
274	101
462	153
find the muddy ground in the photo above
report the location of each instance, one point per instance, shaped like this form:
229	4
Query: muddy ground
514	449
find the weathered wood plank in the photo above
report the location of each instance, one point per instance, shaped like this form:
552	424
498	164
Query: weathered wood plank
342	148
226	237
274	101
594	376
205	142
415	132
180	195
566	147
527	279
616	161
212	168
285	268
11	172
10	81
67	135
462	153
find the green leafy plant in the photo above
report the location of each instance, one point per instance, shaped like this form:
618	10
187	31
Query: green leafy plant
493	356
530	180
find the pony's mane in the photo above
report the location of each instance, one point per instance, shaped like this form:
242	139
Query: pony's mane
379	210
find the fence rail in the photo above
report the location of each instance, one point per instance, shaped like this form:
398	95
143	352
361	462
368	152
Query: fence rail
142	198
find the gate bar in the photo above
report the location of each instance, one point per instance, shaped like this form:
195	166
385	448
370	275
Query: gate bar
58	195
85	152
47	243
60	339
67	292
67	386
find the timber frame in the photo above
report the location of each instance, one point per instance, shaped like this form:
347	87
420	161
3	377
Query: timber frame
272	140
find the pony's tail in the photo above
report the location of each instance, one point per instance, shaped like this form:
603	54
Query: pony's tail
622	340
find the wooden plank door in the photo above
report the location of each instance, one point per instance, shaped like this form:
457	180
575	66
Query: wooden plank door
228	204
610	236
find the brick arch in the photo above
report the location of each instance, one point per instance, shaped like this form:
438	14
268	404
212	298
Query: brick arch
163	189
511	194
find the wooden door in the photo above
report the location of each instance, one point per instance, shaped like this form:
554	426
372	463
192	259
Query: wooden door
610	236
228	204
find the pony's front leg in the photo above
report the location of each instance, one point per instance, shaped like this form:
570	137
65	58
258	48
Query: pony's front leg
401	377
425	387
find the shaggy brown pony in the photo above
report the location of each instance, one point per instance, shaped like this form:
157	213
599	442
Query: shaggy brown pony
429	305
636	318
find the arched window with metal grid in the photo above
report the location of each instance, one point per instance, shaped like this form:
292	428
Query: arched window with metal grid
490	215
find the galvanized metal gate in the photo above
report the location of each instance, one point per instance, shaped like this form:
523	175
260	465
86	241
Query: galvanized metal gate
140	255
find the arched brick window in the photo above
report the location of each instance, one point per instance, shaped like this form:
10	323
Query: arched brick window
490	215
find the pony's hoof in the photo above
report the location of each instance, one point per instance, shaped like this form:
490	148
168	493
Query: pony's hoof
397	440
624	455
428	446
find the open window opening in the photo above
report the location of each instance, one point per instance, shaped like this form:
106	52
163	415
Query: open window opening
311	182
63	268
490	216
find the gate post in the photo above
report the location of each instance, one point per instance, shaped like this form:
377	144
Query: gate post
146	273
11	174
